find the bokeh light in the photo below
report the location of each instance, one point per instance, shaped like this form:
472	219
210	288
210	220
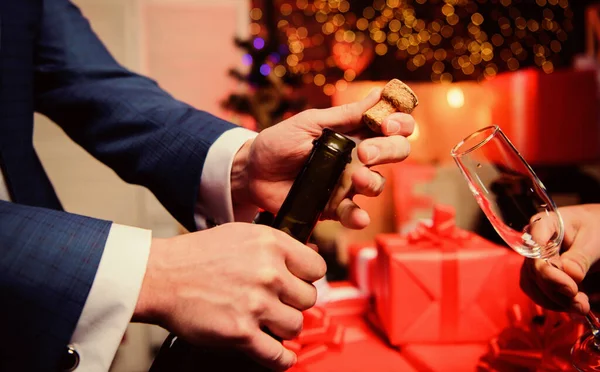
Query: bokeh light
444	40
265	69
259	43
455	97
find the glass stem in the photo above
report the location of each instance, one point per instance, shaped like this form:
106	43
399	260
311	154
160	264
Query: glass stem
591	318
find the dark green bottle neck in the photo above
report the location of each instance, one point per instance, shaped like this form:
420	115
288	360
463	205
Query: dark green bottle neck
314	185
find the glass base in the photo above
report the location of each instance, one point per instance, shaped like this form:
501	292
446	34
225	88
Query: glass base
585	354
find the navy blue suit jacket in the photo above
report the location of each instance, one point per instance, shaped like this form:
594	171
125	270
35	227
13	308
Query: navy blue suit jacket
53	63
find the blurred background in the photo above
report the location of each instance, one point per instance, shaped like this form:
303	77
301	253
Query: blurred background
529	66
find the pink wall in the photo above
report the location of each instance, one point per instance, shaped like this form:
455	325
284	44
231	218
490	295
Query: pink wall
189	48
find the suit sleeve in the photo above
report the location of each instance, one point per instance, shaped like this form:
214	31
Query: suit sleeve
123	119
215	188
49	260
112	297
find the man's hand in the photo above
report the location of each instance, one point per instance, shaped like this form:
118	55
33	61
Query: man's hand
265	168
221	286
558	290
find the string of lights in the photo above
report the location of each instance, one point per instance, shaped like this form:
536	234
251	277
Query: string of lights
330	42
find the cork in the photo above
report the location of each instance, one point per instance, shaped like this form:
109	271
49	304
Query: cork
395	97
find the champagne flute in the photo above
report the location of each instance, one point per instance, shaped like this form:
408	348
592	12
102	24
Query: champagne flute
516	203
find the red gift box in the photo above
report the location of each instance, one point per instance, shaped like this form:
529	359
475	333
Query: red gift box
362	349
408	201
557	111
441	284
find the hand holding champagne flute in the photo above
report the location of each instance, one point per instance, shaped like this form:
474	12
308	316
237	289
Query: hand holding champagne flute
519	208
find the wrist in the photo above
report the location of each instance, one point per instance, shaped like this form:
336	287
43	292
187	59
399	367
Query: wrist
240	179
153	299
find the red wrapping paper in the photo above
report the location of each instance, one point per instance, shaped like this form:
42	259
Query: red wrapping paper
444	358
408	201
317	336
325	327
441	284
536	118
368	354
363	349
536	340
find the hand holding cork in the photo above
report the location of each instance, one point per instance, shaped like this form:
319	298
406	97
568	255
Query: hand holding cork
395	97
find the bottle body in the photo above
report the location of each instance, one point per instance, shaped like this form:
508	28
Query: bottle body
297	216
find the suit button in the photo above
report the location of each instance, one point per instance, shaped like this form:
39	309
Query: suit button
70	360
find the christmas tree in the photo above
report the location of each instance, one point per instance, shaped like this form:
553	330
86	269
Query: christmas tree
268	98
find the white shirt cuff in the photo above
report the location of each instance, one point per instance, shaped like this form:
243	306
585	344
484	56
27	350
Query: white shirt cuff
112	298
215	204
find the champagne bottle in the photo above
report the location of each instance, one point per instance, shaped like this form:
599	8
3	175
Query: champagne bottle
297	216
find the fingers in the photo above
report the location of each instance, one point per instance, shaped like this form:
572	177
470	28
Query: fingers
283	321
398	124
298	293
348	118
382	150
344	118
558	289
581	240
551	288
553	281
351	216
303	262
367	182
581	304
544	227
270	352
580	257
529	285
357	179
312	246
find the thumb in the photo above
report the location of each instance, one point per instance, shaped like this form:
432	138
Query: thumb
582	254
345	118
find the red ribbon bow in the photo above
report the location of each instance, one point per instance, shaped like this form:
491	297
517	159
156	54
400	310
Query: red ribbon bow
443	229
318	335
540	341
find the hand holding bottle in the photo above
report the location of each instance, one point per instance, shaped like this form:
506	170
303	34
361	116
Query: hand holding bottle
230	284
221	286
266	167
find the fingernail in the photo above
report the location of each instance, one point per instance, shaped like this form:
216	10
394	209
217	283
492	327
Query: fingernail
392	127
372	153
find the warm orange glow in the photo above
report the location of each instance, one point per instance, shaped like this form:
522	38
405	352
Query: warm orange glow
439	127
455	97
415	134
